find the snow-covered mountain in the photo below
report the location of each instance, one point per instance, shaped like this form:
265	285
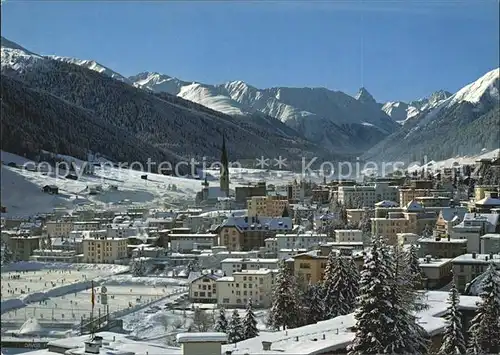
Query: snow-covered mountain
69	106
463	123
402	112
331	118
92	65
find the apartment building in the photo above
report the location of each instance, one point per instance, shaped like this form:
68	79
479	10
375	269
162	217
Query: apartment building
434	201
58	228
231	265
482	191
22	246
475	225
86	226
321	195
468	266
104	250
442	247
490	243
485	205
309	267
359	196
436	272
242	286
407	238
271	245
55	255
267	206
249	233
203	289
188	242
348	235
355	215
406	195
242	193
413	220
306	240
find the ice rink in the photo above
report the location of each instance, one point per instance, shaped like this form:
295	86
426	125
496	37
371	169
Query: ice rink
73	307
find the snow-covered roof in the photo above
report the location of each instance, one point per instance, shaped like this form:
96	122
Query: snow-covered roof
450	213
264	223
414	206
246	260
308	340
489	201
491	236
477	258
442	240
386	203
201	338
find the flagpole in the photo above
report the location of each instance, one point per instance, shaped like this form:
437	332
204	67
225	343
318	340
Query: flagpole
92	299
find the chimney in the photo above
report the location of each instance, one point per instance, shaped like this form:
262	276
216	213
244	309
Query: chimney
473	255
449	237
92	347
491	256
428	258
323	337
266	345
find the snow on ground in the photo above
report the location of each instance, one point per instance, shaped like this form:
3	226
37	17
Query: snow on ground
72	307
456	161
27	282
22	195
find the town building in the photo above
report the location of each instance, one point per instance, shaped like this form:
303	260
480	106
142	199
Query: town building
203	289
104	250
231	265
242	286
414	219
436	272
348	235
22	246
267	206
490	243
442	247
468	266
304	240
187	242
249	233
242	193
448	218
475	225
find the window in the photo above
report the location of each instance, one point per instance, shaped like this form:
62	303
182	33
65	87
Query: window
202	294
196	294
225	300
305	266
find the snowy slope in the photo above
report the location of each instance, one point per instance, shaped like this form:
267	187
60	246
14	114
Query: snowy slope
92	65
463	123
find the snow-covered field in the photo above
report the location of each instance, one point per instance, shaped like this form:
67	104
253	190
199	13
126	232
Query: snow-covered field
22	195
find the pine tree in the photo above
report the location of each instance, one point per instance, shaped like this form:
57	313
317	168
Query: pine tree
235	328
383	325
453	340
285	310
340	289
484	331
250	323
373	315
314	302
408	336
138	268
221	323
414	270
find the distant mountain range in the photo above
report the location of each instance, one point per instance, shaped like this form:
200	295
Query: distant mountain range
180	119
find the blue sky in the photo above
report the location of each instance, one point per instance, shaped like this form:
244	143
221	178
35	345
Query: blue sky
397	51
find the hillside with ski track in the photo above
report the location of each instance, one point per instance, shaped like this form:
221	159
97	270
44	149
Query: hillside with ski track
171	119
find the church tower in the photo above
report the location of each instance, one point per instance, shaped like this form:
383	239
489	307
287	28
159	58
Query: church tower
224	170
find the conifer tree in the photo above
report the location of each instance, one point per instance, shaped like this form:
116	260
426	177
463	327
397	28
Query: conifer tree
314	304
373	315
221	323
250	323
484	331
285	308
414	270
235	328
453	340
331	298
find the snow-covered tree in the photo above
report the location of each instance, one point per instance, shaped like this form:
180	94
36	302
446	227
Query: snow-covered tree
7	254
235	328
202	321
285	308
453	339
383	326
340	290
314	302
250	323
427	232
138	268
414	270
365	225
405	301
484	330
221	322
